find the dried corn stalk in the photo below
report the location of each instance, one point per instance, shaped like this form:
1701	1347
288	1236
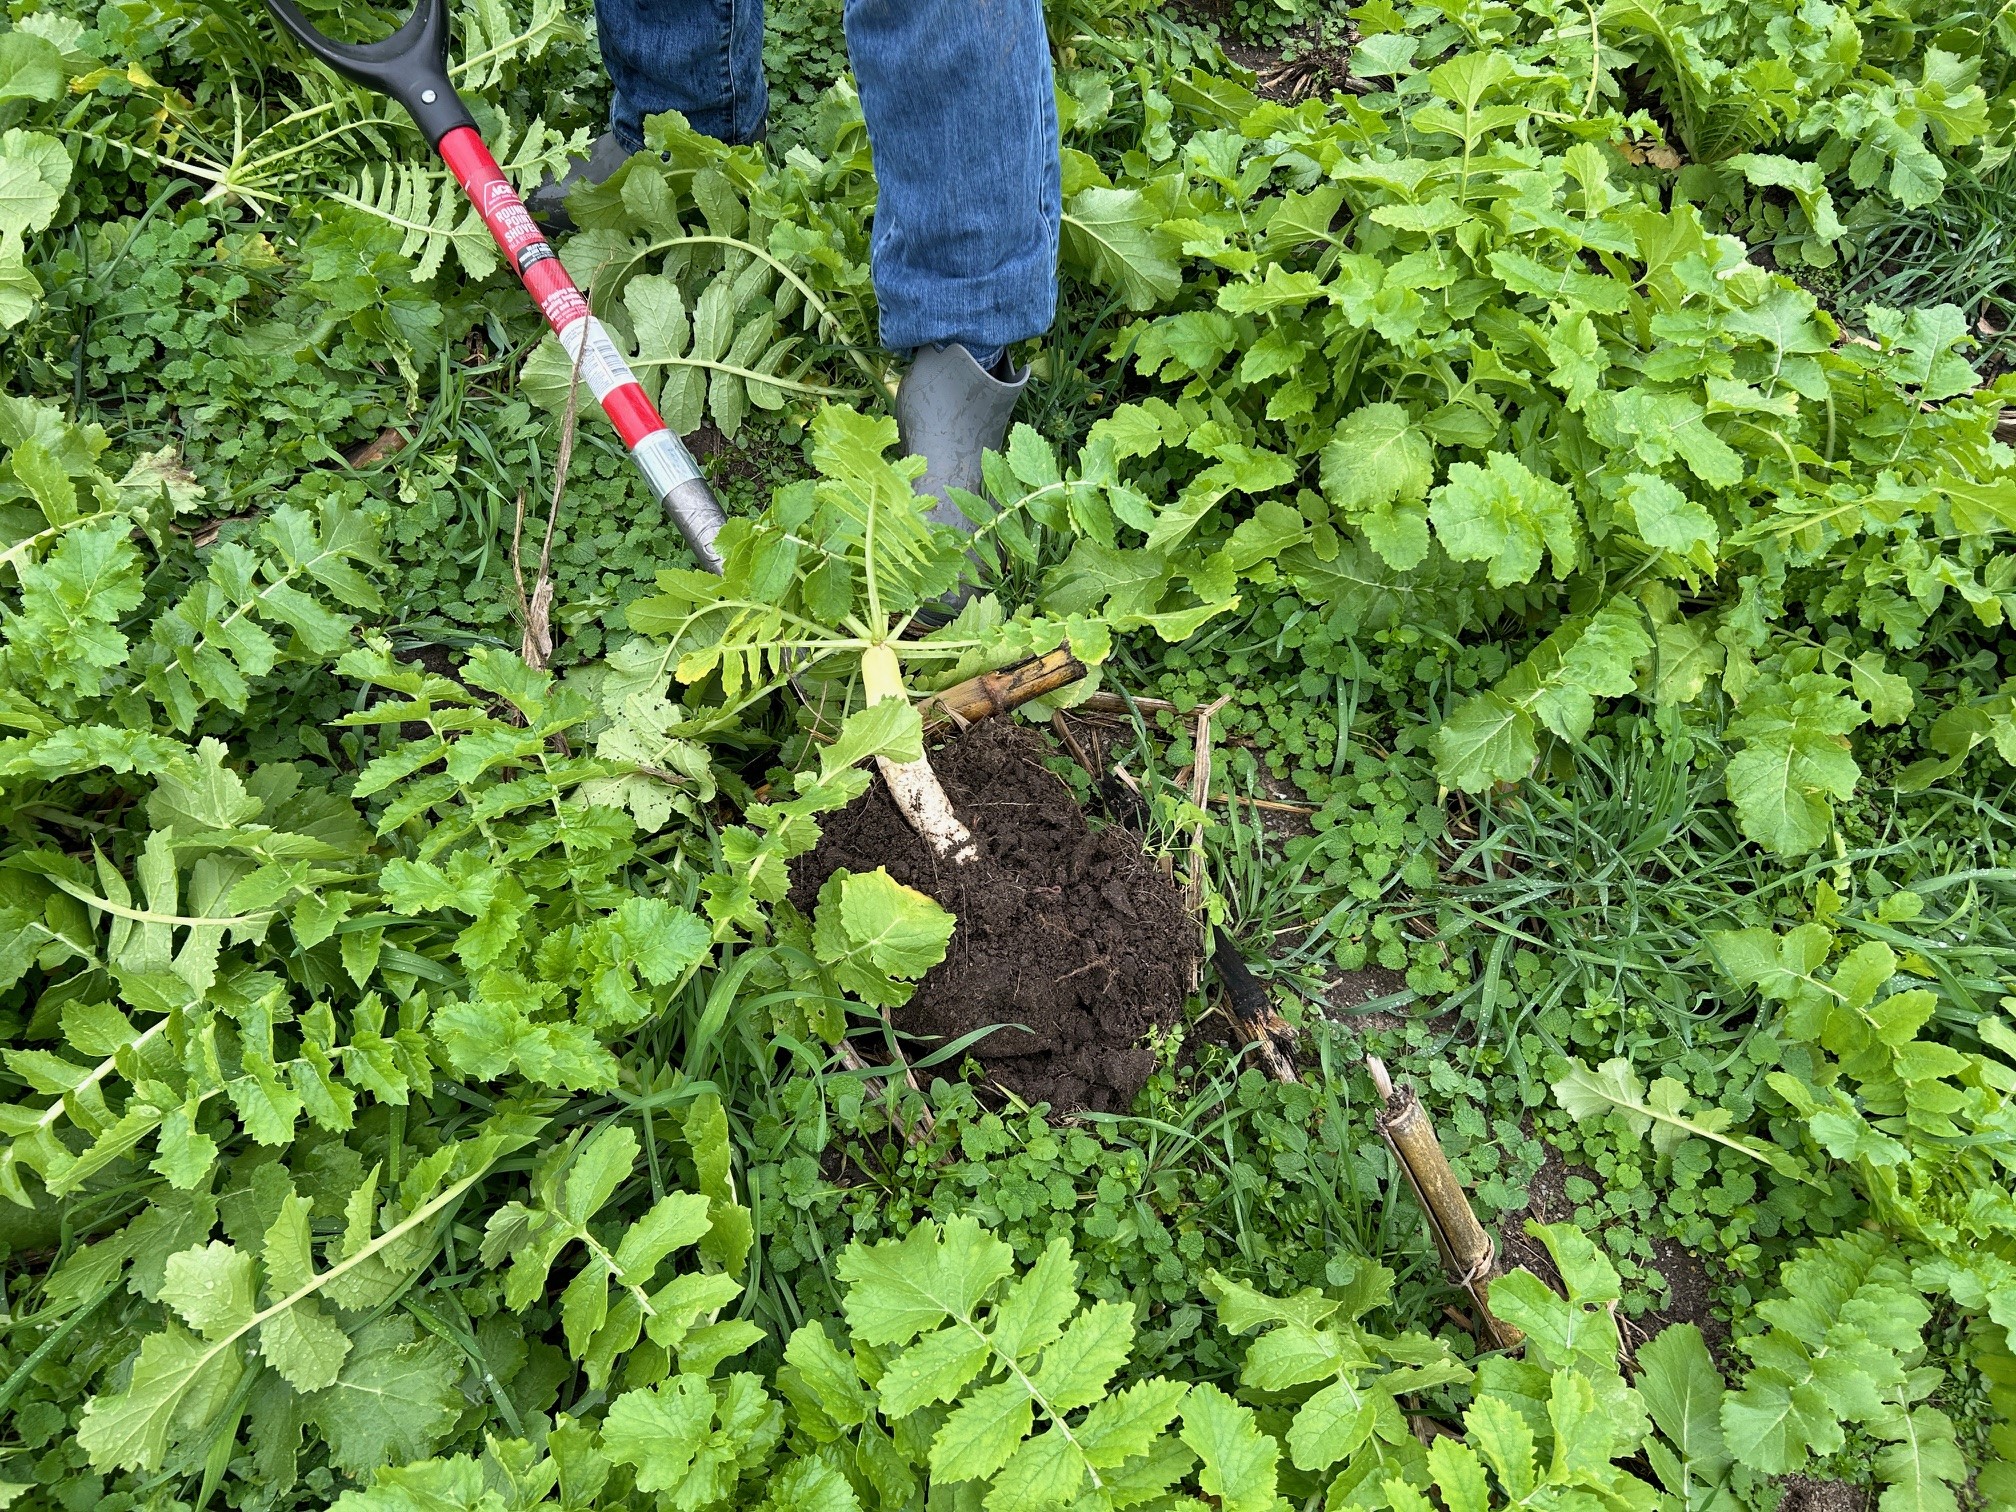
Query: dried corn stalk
998	692
1469	1258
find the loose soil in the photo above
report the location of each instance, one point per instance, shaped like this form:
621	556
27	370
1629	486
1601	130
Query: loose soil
1073	934
746	459
1804	1494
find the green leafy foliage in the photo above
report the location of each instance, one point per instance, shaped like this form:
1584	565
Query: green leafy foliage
1683	1392
572	1184
709	359
1404	409
1918	1124
1734	83
1019	1365
378	1393
416	1088
1840	1348
1352	1425
1840	1345
1613	1090
877	935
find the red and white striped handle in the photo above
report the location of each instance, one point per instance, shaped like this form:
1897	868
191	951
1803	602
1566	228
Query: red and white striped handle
664	461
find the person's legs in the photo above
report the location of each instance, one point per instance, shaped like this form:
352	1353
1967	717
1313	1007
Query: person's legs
702	58
963	123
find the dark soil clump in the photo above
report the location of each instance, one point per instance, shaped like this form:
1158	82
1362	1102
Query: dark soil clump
1074	934
1804	1494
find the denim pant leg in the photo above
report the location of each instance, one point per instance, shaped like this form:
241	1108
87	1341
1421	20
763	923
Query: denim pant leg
702	58
962	119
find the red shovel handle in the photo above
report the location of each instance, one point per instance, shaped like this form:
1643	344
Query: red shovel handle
659	454
411	67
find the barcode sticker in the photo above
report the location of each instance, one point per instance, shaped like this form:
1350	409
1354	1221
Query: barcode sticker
602	367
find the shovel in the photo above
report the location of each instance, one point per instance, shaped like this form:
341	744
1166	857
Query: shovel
411	66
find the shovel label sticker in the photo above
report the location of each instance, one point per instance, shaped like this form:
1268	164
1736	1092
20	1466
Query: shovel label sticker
512	224
602	367
665	462
563	307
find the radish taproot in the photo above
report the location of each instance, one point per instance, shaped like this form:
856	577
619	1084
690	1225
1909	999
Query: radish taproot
913	784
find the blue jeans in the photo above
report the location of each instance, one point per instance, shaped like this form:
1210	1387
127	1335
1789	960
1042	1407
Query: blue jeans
962	120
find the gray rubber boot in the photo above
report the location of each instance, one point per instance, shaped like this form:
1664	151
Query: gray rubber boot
949	410
548	202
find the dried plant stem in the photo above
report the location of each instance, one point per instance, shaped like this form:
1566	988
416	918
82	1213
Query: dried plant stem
997	692
1469	1258
1270	805
916	1132
1115	703
1062	729
1200	791
535	611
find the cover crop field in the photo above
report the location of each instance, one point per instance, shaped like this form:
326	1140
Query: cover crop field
1527	485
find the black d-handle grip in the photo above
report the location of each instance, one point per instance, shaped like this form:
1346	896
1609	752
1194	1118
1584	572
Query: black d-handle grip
411	65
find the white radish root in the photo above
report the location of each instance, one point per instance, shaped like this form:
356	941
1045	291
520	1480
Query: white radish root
917	792
913	784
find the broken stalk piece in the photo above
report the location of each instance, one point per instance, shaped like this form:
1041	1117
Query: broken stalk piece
993	693
1469	1258
1200	792
1252	1013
